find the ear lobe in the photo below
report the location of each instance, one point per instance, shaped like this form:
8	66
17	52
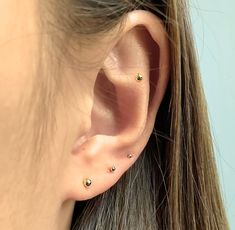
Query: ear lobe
124	109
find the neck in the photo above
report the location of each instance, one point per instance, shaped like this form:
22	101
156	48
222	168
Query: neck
32	203
36	218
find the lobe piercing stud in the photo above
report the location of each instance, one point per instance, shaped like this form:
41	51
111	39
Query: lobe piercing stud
113	168
130	155
139	77
87	182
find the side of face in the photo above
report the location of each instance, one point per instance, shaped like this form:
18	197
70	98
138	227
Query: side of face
101	112
18	55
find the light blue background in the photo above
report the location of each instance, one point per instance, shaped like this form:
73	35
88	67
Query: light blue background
214	28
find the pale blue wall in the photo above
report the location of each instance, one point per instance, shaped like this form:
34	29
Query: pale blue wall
214	28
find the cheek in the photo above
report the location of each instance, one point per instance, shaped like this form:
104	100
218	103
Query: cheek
15	83
18	39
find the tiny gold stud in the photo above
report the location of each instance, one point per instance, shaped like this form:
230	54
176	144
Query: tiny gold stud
139	77
87	182
112	169
130	155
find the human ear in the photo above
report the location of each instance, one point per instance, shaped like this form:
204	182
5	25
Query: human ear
128	90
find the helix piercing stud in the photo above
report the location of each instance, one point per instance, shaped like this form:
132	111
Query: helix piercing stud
87	182
129	155
113	168
139	77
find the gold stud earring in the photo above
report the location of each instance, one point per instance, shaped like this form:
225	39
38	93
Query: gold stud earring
139	77
130	155
113	168
87	182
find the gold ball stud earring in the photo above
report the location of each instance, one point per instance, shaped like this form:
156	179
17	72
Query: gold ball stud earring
113	168
87	182
139	77
129	155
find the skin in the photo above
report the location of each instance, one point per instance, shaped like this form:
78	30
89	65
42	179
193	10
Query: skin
88	140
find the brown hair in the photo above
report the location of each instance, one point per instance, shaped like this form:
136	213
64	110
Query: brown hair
174	183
